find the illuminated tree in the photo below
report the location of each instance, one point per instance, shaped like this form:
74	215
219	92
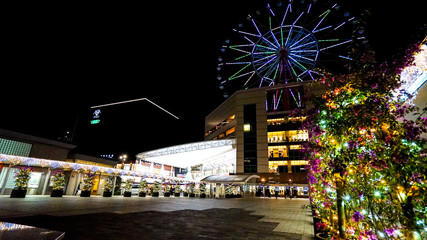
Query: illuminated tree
109	184
59	181
367	162
143	187
22	178
88	181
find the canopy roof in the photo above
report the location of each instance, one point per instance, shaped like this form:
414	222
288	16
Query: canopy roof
240	179
216	152
62	165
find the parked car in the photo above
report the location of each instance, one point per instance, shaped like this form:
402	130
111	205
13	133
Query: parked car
134	190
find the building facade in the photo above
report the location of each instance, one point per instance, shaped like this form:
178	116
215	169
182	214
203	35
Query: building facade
22	150
268	140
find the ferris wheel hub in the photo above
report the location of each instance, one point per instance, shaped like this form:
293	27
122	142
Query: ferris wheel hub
283	53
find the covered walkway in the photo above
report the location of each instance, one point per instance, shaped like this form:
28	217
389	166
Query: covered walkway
230	179
198	159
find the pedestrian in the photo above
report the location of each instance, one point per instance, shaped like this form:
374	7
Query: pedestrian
290	193
276	191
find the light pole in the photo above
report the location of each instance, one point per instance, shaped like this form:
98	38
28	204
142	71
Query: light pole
263	187
123	158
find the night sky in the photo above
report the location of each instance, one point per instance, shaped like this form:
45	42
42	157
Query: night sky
60	59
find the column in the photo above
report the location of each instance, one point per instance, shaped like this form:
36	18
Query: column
4	178
114	183
46	181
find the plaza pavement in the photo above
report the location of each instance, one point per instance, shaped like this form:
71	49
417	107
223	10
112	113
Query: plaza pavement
163	218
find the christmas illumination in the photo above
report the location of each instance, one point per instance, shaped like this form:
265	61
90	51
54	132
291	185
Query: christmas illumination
143	187
22	178
109	184
87	182
367	162
58	181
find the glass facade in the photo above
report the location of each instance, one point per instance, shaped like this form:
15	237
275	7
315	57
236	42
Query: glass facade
284	136
288	136
11	147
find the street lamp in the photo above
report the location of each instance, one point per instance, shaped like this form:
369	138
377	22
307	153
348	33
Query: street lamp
123	158
263	187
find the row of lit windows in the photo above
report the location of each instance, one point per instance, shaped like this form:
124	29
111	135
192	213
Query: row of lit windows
228	132
296	166
285	163
288	136
285	169
279	121
281	151
283	147
220	125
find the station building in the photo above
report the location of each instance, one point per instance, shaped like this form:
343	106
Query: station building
268	139
45	157
251	139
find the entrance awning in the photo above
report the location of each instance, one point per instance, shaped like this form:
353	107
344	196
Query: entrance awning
236	179
208	153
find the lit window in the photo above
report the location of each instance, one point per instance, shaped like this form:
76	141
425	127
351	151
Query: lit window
247	128
230	131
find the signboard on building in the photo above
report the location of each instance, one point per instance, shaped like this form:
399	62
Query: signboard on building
96	116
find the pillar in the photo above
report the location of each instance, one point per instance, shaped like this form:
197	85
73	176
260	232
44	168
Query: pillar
114	183
3	180
46	181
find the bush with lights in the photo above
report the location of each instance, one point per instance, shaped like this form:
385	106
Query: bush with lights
59	181
191	187
177	188
128	185
143	186
109	184
156	187
22	178
367	162
202	187
88	181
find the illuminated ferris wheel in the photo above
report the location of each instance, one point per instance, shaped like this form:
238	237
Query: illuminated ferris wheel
286	45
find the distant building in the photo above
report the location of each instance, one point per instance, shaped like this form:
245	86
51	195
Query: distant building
19	144
28	146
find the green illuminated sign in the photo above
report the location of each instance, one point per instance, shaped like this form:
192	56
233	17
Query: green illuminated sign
95	121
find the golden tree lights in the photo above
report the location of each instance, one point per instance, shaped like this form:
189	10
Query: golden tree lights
367	162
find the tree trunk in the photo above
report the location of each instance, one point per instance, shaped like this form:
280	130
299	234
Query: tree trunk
340	209
340	202
408	212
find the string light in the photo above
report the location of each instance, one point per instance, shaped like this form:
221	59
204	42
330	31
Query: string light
358	140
